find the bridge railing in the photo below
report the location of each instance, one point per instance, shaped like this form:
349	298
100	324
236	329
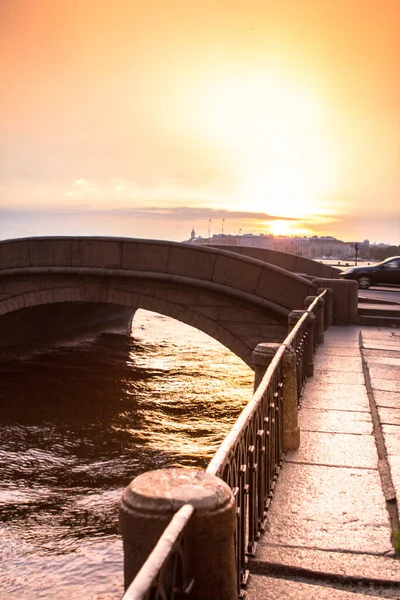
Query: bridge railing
248	460
164	574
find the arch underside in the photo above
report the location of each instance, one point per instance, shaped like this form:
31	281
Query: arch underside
39	311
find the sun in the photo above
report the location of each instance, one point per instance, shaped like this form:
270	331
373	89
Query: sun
287	227
280	227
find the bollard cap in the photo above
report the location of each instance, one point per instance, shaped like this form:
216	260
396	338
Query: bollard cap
166	490
263	353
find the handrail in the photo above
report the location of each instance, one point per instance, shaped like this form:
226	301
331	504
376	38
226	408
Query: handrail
248	460
168	556
229	441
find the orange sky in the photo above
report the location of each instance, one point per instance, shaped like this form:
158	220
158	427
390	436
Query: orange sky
149	118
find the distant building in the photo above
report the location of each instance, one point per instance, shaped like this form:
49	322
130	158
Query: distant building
309	247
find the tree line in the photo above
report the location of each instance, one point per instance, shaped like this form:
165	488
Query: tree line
378	253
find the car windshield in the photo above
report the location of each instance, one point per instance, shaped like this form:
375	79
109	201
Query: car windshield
391	263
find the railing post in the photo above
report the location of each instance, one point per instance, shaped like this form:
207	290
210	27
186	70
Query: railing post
262	357
318	311
321	321
149	503
293	318
328	308
310	348
291	429
307	302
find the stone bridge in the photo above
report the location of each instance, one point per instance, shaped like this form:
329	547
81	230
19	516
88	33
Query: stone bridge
59	288
290	262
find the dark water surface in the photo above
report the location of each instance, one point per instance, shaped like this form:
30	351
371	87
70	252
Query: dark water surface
76	425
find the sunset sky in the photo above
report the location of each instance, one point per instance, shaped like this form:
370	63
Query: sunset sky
150	118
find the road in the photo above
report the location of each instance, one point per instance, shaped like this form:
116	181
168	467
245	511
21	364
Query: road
386	293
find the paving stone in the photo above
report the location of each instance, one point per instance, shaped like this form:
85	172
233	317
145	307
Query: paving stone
396	485
394	464
337	351
344	332
346	564
392	438
333	336
270	588
384	345
382	334
383	371
346	397
339	343
390	428
380	353
337	377
328	508
345	335
338	363
384	360
386	385
388	399
338	449
335	421
389	416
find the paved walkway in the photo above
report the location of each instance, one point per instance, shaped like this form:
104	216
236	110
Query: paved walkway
335	505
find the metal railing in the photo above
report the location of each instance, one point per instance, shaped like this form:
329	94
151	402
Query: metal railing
248	460
298	339
304	337
164	574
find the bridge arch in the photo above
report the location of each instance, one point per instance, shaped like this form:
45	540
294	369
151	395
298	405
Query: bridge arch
239	301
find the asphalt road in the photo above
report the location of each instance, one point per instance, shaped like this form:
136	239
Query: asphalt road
389	294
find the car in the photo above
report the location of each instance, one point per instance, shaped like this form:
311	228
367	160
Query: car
383	273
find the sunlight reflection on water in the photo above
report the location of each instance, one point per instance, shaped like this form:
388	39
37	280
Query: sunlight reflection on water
78	425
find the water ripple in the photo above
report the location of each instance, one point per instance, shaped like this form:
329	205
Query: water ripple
78	425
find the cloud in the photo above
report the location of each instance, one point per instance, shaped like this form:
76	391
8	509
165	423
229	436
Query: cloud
177	213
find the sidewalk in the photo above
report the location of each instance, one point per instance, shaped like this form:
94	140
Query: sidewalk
334	508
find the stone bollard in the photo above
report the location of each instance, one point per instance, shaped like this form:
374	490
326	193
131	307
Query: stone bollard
262	357
321	321
344	299
293	318
319	316
149	503
328	308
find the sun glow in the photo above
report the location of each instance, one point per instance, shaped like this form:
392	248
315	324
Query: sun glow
287	228
274	132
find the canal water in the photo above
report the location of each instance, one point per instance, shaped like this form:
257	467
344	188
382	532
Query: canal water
76	425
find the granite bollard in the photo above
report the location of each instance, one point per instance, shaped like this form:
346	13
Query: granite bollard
262	357
293	318
319	315
149	503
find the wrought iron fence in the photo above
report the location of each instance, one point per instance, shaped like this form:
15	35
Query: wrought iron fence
319	309
164	574
306	332
298	338
248	460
